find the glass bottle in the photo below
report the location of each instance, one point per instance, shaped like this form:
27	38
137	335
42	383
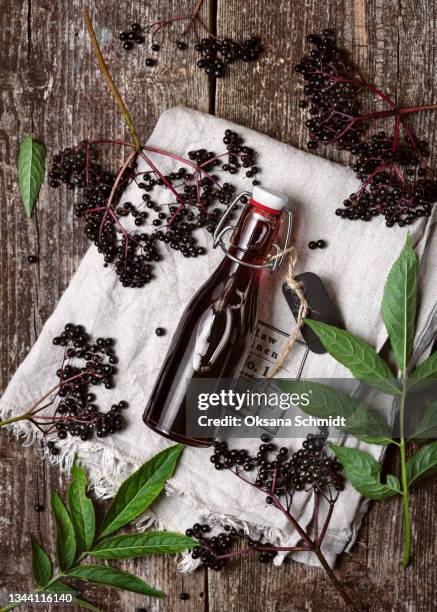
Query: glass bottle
216	331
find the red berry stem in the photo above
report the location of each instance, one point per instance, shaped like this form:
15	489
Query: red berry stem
278	477
130	159
394	172
192	18
312	545
36	407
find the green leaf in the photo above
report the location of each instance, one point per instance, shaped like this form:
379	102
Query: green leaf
426	370
81	508
140	489
112	577
65	538
399	304
31	167
393	483
83	603
360	421
364	473
42	569
141	544
60	588
360	358
427	427
369	426
423	464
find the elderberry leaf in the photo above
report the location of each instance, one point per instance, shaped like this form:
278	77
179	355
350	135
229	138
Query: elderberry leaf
60	588
83	603
399	304
364	473
368	426
42	569
422	464
142	544
81	508
65	538
426	370
361	359
31	168
427	427
140	489
112	577
359	420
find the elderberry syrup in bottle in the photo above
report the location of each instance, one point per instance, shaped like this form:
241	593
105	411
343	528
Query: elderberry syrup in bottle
216	331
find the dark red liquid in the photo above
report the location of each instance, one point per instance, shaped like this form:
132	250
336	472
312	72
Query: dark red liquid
216	331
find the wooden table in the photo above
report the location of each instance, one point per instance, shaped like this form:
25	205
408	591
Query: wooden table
51	88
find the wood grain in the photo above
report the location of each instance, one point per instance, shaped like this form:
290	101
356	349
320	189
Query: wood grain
50	87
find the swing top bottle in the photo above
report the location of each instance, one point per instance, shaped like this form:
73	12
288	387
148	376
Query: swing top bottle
216	331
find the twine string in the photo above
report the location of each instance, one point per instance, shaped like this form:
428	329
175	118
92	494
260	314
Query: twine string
297	287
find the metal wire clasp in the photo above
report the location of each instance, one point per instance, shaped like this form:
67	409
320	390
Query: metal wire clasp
222	228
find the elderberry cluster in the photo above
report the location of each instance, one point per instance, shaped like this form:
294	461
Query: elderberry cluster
216	54
132	37
382	194
393	170
85	364
213	550
132	253
133	249
330	94
279	474
210	547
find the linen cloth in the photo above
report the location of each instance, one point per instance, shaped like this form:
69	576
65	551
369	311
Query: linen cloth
353	267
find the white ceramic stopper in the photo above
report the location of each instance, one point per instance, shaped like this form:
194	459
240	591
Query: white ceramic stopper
270	198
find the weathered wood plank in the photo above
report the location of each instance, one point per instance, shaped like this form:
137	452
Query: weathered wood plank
51	87
394	44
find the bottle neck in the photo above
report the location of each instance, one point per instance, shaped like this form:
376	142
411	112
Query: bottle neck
253	237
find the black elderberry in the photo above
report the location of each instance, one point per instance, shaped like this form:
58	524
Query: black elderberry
184	596
321	244
32	259
159	331
217	54
155	47
76	413
133	254
395	180
181	45
312	244
39	508
150	61
128	45
277	474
